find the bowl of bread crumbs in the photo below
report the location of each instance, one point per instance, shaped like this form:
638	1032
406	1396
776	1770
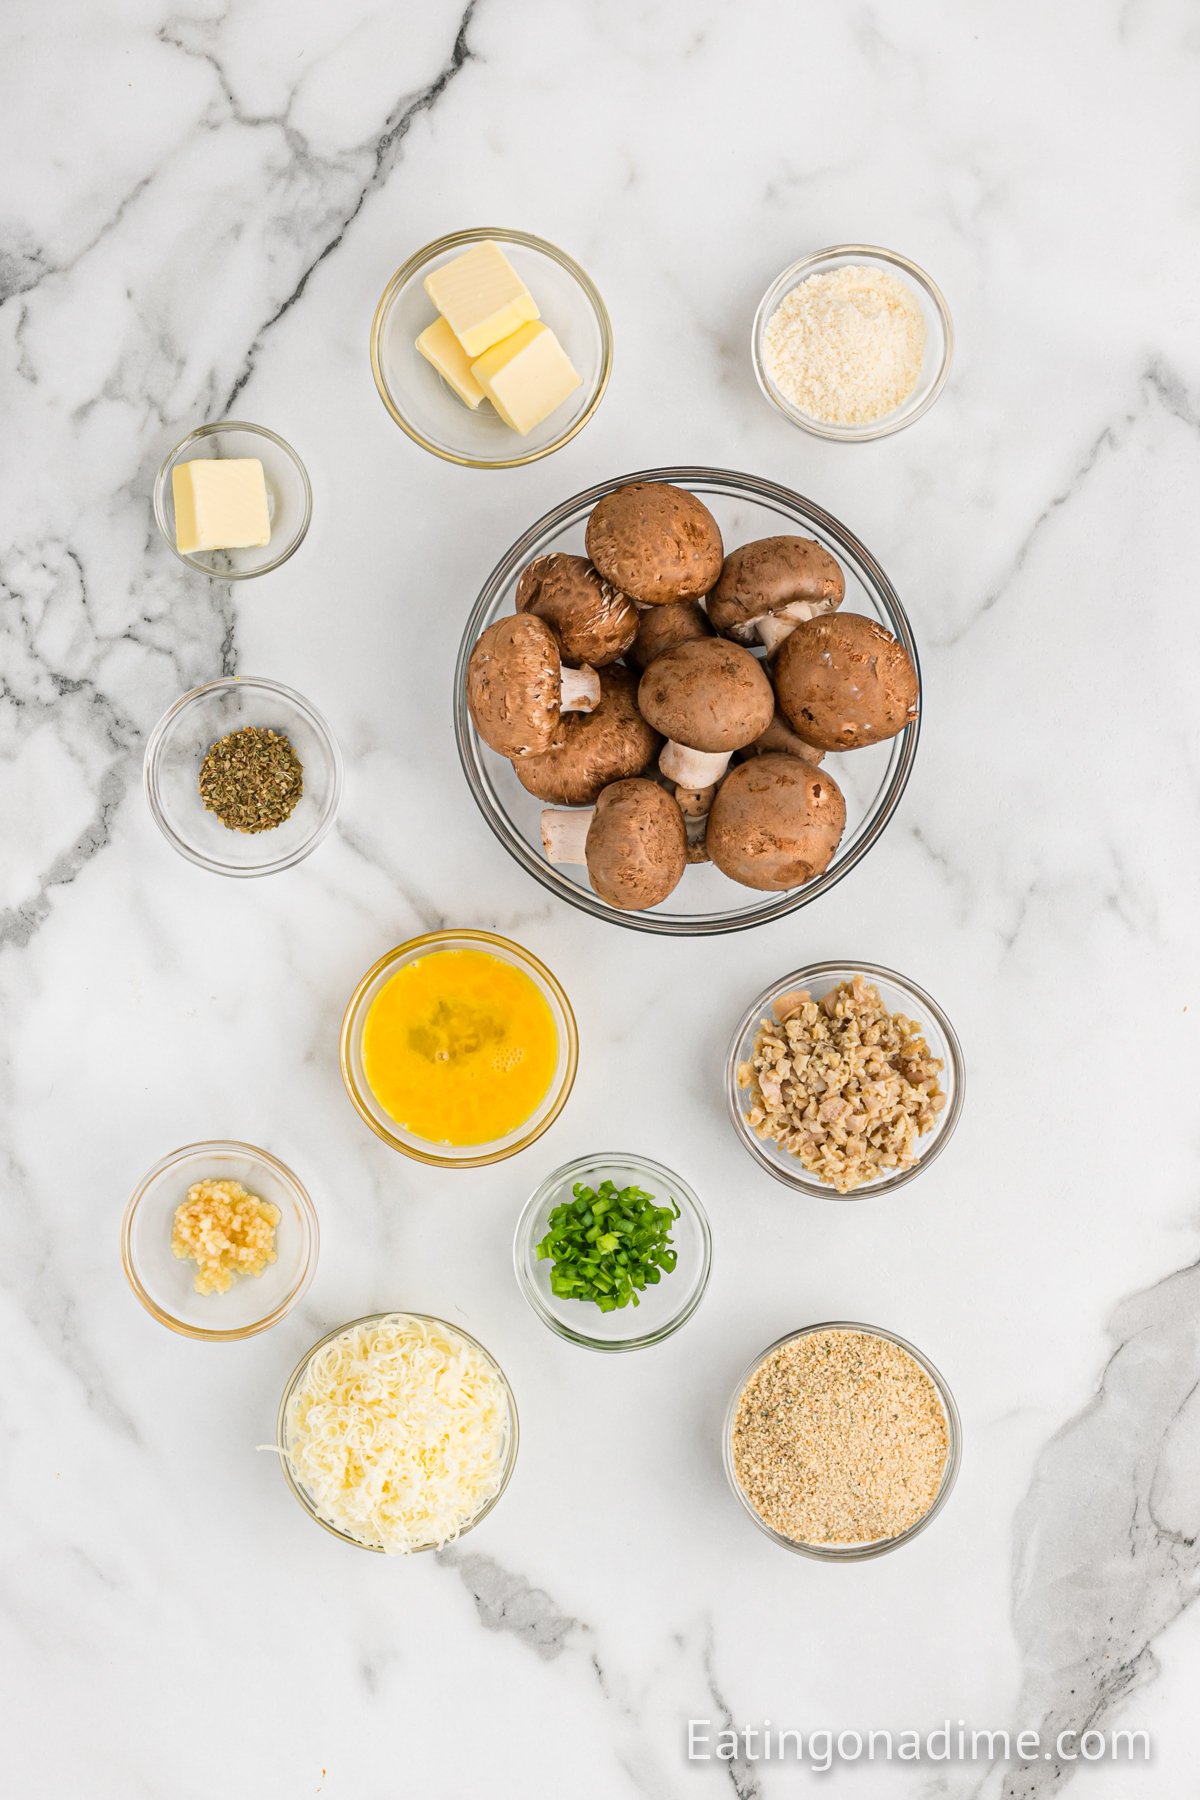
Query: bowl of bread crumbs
852	343
844	1081
842	1441
219	1240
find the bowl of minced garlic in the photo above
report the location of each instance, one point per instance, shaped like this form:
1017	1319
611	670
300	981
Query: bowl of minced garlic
219	1240
853	343
842	1441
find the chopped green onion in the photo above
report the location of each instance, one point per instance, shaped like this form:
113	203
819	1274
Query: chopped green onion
608	1244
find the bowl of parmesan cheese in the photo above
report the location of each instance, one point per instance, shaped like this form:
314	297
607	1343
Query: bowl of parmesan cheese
397	1433
853	343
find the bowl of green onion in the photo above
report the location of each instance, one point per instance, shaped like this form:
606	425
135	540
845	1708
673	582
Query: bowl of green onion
613	1251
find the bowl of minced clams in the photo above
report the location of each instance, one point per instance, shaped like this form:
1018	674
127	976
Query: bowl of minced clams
844	1081
687	705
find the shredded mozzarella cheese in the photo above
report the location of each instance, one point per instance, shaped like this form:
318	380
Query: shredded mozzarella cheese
398	1431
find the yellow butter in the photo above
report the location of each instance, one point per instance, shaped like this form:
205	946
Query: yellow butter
526	376
481	297
220	504
439	346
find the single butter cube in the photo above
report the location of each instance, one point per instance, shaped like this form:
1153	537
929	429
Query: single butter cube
481	297
526	376
439	346
220	504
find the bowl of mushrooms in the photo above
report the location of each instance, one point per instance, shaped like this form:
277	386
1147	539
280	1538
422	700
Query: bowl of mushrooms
687	701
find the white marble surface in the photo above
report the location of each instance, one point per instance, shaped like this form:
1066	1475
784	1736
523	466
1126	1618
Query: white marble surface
199	209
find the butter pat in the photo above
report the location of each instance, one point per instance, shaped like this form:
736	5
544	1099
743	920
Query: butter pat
439	346
481	297
526	376
220	504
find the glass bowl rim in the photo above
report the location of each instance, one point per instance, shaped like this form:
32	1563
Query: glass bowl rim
684	1195
454	240
196	436
850	1552
805	977
154	748
310	1227
772	906
510	1456
467	936
789	278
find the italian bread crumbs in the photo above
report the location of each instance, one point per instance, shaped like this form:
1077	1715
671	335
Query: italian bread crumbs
846	345
840	1437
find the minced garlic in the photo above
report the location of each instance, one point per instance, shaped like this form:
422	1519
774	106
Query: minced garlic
226	1231
847	345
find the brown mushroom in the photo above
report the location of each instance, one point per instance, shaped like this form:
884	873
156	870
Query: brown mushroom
661	626
766	588
594	622
695	803
709	698
780	736
633	841
518	689
775	823
844	682
589	750
655	542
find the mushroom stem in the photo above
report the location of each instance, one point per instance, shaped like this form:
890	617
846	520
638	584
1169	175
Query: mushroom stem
692	768
580	690
564	833
695	803
773	627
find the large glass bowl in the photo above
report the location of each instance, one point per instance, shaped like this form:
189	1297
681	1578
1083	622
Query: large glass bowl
872	779
283	1423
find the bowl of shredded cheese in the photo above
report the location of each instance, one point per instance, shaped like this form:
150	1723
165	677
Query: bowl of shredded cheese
397	1433
852	343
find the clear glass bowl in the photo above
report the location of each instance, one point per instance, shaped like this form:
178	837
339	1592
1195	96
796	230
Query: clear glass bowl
664	1307
420	401
458	1156
289	497
872	779
899	996
297	1375
163	1282
939	339
178	744
879	1546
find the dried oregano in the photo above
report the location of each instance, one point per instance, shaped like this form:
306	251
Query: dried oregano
251	779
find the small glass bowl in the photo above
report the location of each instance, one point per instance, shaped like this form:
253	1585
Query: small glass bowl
871	779
432	415
178	744
939	339
664	1307
458	1156
879	1546
297	1375
289	497
899	996
163	1282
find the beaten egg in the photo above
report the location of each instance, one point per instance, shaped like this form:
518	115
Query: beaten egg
460	1047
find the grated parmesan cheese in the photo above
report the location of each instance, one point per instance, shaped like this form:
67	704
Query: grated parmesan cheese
846	346
398	1432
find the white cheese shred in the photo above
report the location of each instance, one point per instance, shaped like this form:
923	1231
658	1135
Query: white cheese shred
398	1431
846	346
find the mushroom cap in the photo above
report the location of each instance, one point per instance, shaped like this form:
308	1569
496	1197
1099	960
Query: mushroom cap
707	694
594	622
661	626
772	573
775	822
514	685
636	845
655	542
590	750
844	682
779	736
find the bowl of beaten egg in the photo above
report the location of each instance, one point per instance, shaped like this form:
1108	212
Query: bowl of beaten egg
459	1048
